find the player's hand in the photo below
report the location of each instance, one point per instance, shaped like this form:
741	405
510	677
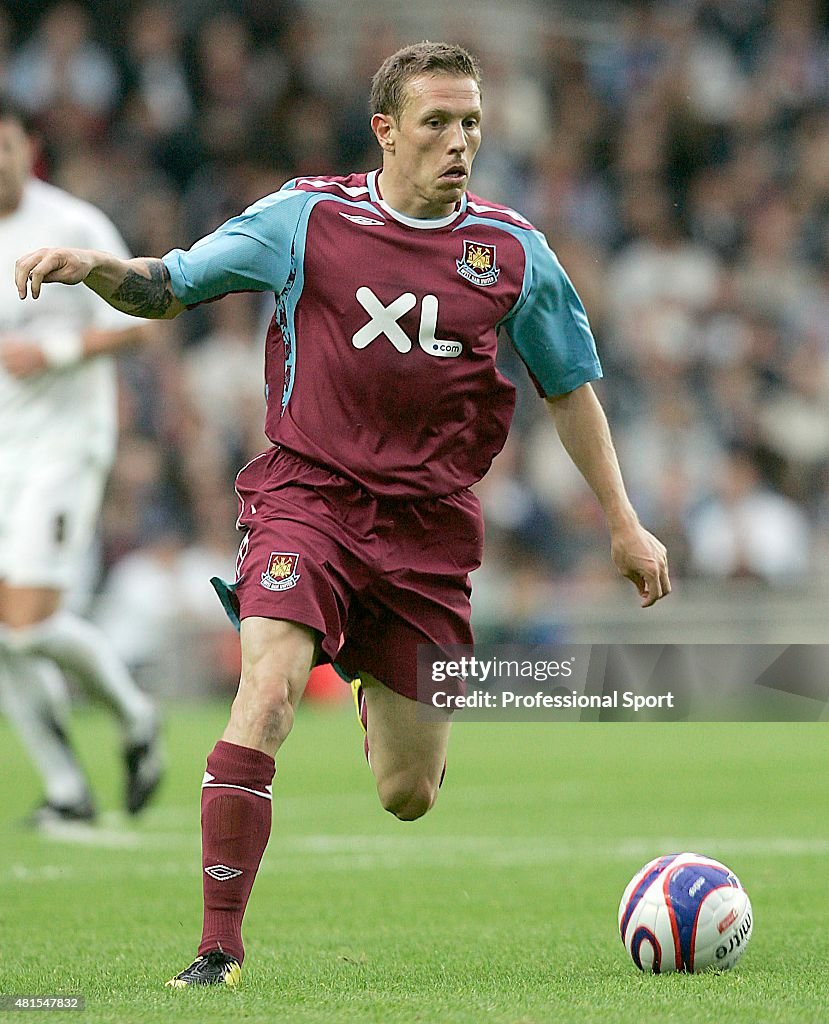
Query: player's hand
44	266
643	559
22	358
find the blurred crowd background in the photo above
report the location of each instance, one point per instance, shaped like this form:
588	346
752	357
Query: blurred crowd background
676	155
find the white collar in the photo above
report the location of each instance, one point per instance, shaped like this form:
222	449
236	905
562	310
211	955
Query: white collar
422	223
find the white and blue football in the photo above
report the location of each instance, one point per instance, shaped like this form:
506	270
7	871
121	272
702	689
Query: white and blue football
685	912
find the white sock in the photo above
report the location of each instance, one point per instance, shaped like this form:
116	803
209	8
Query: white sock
30	696
82	650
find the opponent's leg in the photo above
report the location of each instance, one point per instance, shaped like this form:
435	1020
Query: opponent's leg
37	628
36	708
277	657
78	647
408	751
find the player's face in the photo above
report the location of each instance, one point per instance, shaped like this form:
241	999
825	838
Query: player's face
15	165
434	144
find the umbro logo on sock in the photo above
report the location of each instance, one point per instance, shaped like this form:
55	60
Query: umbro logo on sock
222	873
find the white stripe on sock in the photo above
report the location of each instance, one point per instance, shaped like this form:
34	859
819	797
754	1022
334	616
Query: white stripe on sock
225	785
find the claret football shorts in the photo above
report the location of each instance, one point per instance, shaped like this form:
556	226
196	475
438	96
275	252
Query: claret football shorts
373	576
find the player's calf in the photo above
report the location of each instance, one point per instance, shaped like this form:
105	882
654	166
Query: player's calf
407	753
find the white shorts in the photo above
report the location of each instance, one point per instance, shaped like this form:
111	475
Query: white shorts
48	514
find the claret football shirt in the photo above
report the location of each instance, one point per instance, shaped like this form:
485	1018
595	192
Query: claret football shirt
380	358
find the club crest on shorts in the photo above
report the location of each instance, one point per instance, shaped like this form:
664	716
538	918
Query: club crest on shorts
282	571
478	263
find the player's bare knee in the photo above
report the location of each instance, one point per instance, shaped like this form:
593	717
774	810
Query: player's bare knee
407	798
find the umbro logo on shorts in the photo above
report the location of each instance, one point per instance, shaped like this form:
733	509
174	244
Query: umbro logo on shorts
282	572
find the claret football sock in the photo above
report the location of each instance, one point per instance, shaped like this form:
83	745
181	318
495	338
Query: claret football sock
236	824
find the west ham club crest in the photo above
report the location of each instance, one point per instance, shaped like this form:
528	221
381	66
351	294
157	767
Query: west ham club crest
478	263
282	571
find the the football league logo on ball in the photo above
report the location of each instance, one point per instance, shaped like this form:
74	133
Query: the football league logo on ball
282	571
478	263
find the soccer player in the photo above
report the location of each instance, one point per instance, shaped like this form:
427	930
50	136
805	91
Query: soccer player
57	440
384	407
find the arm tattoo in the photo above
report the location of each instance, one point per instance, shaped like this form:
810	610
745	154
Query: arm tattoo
149	297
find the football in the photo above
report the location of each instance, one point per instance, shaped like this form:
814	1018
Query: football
685	912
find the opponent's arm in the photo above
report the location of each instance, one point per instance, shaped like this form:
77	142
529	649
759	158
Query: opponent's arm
22	357
140	287
585	434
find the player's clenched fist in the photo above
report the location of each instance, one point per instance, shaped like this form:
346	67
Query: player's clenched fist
643	559
44	266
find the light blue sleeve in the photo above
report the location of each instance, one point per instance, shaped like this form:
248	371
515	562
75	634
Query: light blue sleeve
548	325
251	252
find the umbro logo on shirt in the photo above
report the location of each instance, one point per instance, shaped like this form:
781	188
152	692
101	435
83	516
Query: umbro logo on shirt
357	218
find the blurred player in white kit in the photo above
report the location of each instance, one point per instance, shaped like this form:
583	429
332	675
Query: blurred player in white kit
57	442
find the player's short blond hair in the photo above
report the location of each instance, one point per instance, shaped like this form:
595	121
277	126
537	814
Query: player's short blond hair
388	87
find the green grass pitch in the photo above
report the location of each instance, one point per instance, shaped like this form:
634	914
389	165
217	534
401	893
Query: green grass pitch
499	907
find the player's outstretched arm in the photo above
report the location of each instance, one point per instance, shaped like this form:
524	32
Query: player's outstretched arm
138	286
585	434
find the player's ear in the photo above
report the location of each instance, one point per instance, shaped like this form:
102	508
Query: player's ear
384	129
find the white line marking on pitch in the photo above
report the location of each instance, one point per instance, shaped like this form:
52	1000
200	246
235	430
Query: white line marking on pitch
366	852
